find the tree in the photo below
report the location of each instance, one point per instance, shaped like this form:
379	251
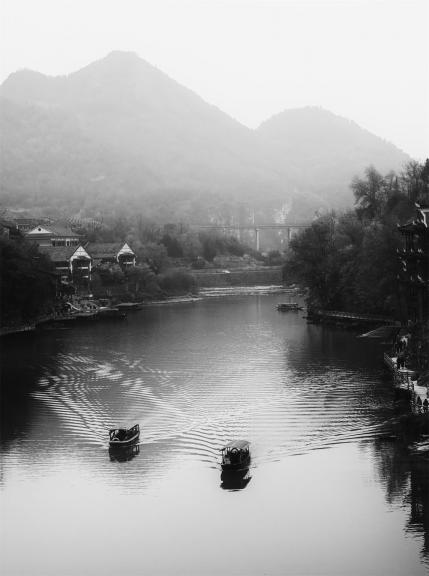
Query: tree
191	245
140	278
350	262
155	255
415	181
176	281
369	193
172	244
311	260
376	269
27	282
208	242
110	274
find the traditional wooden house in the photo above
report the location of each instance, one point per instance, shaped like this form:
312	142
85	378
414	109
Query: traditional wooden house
111	253
72	263
414	268
26	224
53	236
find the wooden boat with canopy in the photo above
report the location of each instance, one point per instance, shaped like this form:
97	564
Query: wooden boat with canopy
236	456
121	437
288	306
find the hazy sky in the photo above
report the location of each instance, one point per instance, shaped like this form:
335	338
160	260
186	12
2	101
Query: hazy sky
367	60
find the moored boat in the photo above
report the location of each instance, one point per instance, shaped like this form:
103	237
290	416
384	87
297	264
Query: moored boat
286	306
109	312
236	456
129	306
119	437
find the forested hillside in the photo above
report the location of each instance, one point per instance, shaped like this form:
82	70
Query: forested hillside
119	136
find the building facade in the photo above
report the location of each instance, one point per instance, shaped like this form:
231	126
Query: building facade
53	236
73	264
111	253
414	268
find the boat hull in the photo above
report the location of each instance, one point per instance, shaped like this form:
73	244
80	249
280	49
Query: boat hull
238	467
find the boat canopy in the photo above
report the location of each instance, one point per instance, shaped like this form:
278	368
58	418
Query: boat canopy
237	444
134	428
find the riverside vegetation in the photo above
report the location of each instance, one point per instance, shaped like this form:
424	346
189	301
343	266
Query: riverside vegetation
349	261
166	257
346	260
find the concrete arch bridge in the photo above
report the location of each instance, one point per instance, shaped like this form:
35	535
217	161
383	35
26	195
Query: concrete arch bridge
290	228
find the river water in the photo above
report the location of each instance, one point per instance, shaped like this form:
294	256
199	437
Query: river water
329	490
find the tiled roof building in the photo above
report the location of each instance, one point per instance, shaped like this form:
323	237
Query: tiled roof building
72	263
414	267
55	235
111	252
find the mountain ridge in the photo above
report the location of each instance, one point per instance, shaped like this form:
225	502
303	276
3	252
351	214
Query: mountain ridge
153	134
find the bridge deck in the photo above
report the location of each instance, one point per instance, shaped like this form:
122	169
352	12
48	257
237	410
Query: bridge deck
251	226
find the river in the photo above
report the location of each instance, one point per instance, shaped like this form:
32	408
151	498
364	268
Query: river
329	490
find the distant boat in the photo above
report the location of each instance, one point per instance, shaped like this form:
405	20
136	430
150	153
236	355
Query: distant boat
129	306
108	312
119	437
286	306
236	456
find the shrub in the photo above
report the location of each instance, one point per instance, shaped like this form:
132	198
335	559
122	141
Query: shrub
177	281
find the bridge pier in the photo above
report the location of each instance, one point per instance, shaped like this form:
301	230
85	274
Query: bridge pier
257	239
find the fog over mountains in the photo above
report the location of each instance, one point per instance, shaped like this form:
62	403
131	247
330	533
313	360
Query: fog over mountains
120	135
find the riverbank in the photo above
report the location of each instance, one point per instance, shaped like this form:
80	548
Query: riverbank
86	309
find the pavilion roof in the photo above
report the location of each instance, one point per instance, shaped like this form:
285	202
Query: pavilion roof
59	253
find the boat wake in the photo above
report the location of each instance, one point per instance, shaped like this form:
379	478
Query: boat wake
191	414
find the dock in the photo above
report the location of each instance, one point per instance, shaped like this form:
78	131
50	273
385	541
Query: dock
338	317
406	380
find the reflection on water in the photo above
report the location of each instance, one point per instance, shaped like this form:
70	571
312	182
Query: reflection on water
405	478
418	497
24	358
123	454
196	376
235	480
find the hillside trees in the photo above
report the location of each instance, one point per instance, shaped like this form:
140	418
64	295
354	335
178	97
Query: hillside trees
370	193
312	260
160	252
27	282
349	261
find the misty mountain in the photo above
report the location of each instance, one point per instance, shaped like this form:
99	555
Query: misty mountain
121	134
321	151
